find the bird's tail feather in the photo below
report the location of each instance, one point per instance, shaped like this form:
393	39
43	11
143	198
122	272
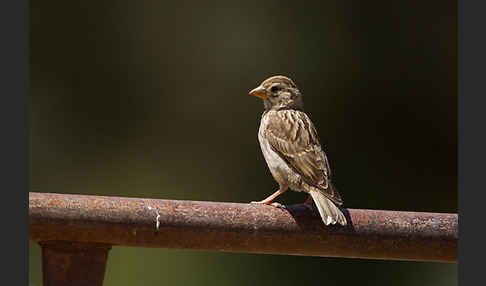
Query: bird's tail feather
329	212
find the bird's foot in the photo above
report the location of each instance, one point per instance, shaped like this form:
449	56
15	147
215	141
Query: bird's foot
278	205
272	197
264	202
308	203
269	203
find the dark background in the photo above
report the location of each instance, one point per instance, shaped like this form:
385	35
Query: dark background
150	99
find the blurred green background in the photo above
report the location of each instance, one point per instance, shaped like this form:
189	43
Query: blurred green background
150	99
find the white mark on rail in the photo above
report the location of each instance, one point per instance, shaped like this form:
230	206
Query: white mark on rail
157	222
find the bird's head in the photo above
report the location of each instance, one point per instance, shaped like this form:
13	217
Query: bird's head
279	92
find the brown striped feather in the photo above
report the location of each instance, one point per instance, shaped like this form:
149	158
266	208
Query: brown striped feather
293	136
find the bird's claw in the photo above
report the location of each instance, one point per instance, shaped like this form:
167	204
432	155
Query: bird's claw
278	205
309	206
274	204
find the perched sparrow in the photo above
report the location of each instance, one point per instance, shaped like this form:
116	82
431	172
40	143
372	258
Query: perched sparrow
292	150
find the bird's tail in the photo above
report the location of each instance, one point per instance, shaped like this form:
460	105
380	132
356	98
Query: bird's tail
329	212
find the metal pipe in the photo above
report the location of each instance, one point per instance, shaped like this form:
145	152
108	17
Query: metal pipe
72	263
238	227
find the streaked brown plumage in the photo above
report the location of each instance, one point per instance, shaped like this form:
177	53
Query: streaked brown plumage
291	148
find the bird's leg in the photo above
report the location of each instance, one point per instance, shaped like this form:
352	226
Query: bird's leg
272	197
308	202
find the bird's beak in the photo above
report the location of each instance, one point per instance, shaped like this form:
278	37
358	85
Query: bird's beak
259	92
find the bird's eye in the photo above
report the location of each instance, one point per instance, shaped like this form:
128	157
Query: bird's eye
275	88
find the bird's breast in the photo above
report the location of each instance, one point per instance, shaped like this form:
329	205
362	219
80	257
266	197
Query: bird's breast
280	170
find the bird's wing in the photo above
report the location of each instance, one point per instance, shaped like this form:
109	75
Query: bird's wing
293	136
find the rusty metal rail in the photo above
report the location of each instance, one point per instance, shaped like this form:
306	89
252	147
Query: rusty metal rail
67	225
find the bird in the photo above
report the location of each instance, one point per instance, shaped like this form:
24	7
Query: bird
292	151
